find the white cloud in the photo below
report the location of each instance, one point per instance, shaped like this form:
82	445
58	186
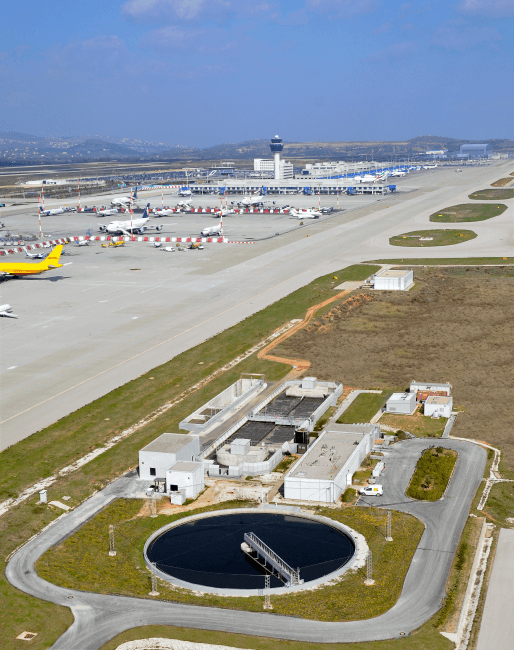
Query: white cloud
494	8
148	10
343	8
394	52
178	37
460	35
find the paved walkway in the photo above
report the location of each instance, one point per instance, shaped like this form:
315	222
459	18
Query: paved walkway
497	629
99	618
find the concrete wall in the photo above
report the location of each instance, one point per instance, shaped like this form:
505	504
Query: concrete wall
162	461
247	469
441	410
231	398
394	283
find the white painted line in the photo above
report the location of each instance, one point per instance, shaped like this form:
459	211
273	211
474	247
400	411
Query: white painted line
12	368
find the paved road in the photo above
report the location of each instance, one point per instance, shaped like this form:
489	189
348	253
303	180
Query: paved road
114	315
99	618
497	629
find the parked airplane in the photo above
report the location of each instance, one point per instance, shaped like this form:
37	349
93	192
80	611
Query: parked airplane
124	200
6	311
83	242
35	256
48	213
185	204
398	173
309	214
14	269
429	166
184	191
213	230
130	227
107	212
252	200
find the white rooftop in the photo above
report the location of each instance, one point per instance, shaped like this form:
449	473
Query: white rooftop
327	456
398	397
185	466
390	273
169	443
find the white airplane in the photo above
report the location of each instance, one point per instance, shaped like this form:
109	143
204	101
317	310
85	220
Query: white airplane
213	230
107	212
124	200
6	311
48	213
184	204
382	176
184	191
429	166
165	212
35	256
130	227
253	200
308	214
223	212
83	242
397	173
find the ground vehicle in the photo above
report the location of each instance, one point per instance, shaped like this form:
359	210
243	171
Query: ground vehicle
372	491
196	247
150	491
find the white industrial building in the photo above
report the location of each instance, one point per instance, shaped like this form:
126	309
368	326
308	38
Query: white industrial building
437	406
393	280
404	403
327	468
430	387
170	462
475	151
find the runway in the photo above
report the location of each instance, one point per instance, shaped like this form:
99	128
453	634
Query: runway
115	314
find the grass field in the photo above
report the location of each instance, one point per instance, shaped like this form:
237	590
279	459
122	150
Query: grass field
417	423
500	504
421	238
364	407
454	325
468	212
432	474
492	195
447	261
501	182
83	561
425	638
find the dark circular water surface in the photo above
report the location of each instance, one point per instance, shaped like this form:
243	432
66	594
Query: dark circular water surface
208	551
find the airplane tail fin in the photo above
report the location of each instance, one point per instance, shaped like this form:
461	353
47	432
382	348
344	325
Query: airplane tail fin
26	251
134	197
145	213
52	260
40	210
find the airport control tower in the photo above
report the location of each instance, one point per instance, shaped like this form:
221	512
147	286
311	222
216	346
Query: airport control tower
276	147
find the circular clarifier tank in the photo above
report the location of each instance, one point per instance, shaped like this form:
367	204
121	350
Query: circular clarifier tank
204	552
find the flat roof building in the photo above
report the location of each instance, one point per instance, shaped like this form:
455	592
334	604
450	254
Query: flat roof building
393	280
475	151
327	468
404	403
437	406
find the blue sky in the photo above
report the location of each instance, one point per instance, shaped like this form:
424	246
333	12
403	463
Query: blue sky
202	72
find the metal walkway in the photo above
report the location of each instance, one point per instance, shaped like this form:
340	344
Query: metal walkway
290	575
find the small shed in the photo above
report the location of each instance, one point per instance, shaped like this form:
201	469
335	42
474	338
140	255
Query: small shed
393	280
437	406
404	403
186	476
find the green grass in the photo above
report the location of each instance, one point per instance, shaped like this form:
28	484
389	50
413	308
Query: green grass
432	474
438	238
285	463
468	212
447	261
425	638
418	424
492	195
364	407
82	561
501	182
500	504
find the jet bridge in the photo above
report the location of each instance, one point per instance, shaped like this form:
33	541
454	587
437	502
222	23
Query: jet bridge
253	544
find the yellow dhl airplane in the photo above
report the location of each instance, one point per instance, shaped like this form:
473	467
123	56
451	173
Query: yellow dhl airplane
14	269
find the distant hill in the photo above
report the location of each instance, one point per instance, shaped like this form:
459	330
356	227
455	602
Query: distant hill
16	148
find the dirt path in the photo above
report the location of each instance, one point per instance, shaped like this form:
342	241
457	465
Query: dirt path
301	365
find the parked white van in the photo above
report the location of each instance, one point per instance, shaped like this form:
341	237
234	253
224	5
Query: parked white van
372	491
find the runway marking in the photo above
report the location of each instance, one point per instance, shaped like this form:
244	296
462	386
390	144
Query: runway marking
12	368
139	354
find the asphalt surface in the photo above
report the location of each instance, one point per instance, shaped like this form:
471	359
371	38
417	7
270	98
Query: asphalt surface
116	314
497	628
99	618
